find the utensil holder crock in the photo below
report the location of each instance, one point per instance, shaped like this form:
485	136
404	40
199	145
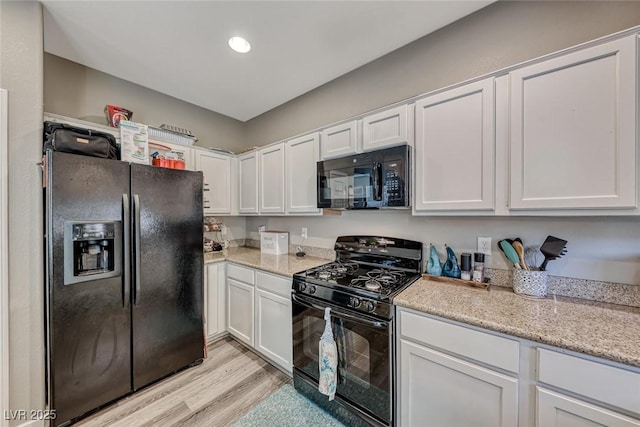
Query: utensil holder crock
530	283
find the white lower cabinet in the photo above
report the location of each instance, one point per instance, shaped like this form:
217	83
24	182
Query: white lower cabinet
215	291
444	391
240	310
452	375
259	312
557	410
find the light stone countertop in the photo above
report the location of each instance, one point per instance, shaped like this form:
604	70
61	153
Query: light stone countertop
603	330
284	265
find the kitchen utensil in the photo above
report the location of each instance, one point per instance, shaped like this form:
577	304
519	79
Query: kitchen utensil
517	245
532	255
552	248
510	253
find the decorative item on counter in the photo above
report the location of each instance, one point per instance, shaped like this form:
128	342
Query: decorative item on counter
465	266
115	115
478	267
434	266
451	268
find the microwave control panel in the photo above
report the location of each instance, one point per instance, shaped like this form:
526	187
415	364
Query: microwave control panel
393	183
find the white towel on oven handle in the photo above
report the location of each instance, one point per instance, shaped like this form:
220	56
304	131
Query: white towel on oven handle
327	359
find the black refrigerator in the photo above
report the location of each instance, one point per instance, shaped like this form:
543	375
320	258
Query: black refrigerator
124	278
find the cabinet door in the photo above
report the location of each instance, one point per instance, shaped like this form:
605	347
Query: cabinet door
455	149
240	310
556	410
248	183
216	170
573	130
339	140
302	156
273	328
385	129
272	179
215	299
185	152
439	390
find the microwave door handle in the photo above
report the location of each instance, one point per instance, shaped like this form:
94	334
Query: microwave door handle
340	313
377	181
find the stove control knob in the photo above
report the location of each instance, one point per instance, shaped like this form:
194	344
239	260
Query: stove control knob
354	301
312	289
369	306
302	287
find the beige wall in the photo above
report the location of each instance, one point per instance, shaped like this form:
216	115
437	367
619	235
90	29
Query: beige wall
73	90
502	34
21	74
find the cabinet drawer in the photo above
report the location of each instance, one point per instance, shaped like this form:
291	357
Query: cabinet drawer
496	351
242	274
274	284
604	383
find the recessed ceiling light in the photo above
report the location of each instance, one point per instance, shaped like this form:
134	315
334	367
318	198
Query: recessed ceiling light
239	44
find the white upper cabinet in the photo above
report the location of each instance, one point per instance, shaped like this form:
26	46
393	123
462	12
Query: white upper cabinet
386	129
216	170
248	183
454	149
272	179
302	156
340	140
573	130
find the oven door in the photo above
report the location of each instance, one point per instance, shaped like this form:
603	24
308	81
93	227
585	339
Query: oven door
364	353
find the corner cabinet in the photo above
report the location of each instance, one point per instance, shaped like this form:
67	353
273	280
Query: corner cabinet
573	130
217	181
454	150
248	183
271	181
302	155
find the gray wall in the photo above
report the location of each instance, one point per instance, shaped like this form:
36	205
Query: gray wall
73	90
21	75
502	34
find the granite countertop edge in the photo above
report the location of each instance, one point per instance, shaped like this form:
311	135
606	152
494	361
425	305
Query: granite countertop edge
283	265
607	331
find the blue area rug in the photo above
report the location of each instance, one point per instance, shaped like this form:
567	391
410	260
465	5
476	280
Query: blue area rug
287	408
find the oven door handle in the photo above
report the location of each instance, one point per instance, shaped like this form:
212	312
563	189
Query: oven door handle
339	313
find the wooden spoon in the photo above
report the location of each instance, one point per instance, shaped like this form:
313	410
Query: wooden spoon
517	245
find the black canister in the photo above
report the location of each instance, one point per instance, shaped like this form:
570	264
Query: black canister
465	266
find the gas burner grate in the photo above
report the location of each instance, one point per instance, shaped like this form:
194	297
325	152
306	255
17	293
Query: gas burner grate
378	280
334	270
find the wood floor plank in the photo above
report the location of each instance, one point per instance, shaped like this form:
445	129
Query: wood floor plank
224	387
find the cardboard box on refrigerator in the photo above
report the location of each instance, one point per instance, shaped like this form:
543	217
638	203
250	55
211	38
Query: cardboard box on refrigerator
134	142
274	242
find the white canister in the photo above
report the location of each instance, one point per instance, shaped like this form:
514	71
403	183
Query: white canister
274	242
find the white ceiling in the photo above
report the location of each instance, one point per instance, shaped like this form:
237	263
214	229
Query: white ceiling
180	47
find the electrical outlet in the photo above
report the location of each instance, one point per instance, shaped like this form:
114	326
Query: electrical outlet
303	233
484	245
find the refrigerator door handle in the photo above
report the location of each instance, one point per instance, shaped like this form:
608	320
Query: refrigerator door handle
126	215
136	228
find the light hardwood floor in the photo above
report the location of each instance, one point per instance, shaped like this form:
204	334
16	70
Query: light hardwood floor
228	383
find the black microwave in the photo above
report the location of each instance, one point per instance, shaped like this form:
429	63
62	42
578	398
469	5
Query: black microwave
373	180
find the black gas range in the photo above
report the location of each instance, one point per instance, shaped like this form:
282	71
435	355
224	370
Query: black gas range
359	287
